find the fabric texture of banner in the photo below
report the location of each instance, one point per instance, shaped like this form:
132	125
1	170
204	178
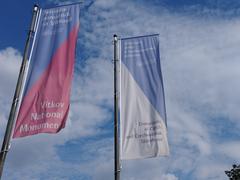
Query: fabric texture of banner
143	129
46	97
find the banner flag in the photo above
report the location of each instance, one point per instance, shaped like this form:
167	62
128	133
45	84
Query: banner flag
45	104
143	129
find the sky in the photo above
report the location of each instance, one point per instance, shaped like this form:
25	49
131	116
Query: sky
199	49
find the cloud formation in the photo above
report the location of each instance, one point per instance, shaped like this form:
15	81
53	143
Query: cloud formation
10	60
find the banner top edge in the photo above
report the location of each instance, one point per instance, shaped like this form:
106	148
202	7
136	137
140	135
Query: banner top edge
139	36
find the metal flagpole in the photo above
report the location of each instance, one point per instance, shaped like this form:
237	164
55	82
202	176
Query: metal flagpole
116	129
13	112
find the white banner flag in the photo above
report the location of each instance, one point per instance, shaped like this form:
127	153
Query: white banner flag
142	107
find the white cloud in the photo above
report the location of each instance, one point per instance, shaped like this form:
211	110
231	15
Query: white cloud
10	60
210	170
230	149
199	62
168	177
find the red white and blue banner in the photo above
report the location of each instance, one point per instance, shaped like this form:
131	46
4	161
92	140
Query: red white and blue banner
142	107
45	104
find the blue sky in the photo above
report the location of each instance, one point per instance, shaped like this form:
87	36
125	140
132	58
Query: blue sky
199	47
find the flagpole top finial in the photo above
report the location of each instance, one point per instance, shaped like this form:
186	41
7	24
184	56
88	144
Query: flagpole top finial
35	7
115	37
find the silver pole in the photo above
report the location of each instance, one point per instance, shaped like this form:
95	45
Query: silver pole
13	112
116	129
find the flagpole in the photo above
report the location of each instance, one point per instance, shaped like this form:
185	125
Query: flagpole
13	112
116	129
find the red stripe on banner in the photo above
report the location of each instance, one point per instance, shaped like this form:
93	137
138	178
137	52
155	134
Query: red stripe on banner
45	107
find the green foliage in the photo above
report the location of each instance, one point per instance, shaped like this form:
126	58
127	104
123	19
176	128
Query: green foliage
234	173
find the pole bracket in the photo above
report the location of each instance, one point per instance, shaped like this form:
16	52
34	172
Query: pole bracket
5	150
